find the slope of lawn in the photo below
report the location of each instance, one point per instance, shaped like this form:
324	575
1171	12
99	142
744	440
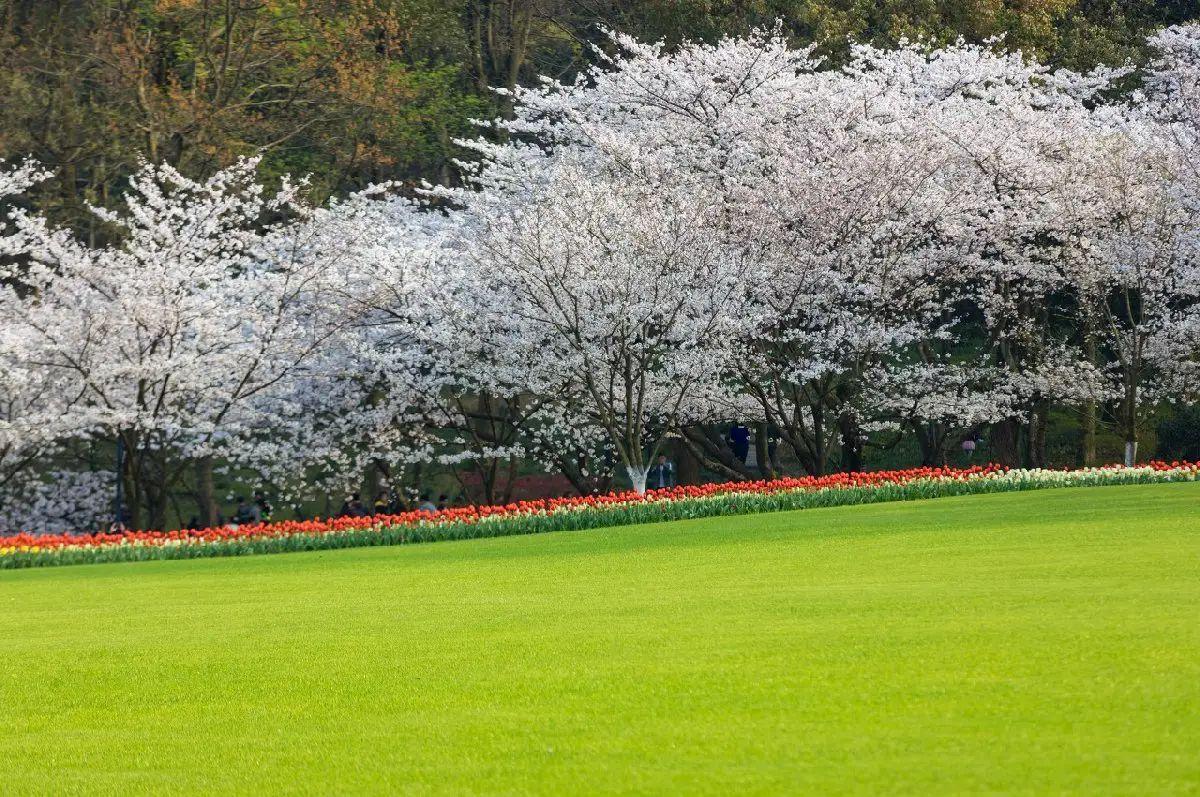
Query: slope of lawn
1035	642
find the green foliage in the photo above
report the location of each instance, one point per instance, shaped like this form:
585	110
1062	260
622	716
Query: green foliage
351	92
1076	33
1179	435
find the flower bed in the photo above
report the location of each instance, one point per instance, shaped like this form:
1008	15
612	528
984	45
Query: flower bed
567	514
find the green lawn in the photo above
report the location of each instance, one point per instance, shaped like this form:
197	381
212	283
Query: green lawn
1028	642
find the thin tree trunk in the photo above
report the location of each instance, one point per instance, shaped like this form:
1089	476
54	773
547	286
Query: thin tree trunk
156	506
820	450
206	494
131	474
1037	434
487	475
1088	441
1090	412
852	443
510	480
1129	411
157	499
927	441
762	451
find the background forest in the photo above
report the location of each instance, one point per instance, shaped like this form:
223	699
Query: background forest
354	92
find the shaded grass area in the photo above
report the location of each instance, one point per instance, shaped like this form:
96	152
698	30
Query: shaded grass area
1038	641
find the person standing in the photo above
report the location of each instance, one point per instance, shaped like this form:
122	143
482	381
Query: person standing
353	507
263	506
661	475
247	512
739	441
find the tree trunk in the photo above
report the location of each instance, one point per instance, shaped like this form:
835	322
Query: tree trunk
510	480
711	451
156	506
1129	420
131	477
157	498
852	443
820	454
1090	412
1003	443
1088	438
687	465
762	451
1037	434
206	494
928	440
487	478
637	478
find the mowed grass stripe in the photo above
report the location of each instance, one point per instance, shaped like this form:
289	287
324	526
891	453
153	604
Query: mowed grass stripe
1035	642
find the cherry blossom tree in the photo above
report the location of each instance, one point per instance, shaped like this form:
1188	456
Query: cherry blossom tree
600	284
57	501
172	337
1137	279
1015	132
1173	103
32	401
372	401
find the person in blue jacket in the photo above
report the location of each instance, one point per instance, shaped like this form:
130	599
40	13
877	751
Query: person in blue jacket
739	441
661	475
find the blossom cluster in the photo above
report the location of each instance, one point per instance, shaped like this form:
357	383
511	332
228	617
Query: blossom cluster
564	514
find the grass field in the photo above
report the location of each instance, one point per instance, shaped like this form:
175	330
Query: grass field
1034	642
